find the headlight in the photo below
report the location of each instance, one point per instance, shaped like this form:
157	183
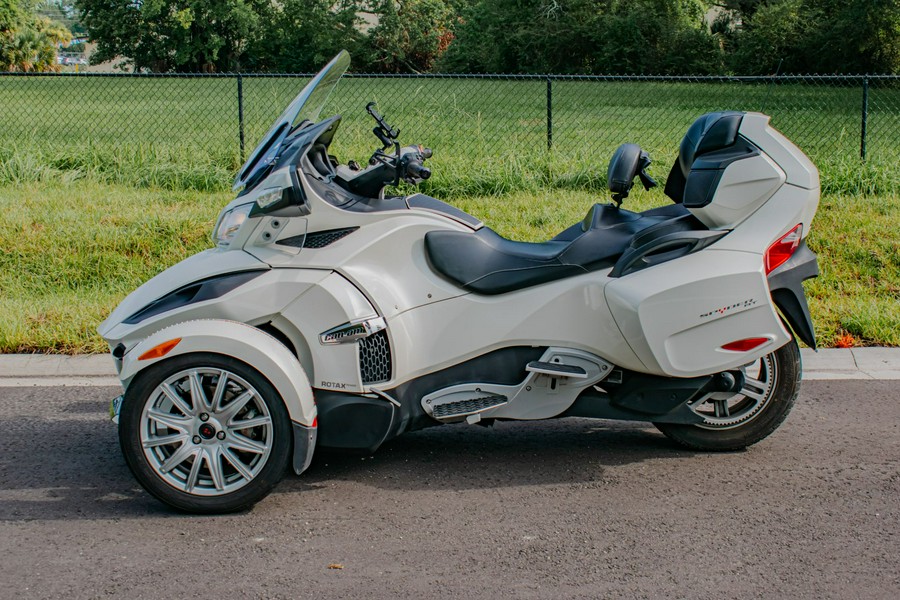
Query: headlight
230	223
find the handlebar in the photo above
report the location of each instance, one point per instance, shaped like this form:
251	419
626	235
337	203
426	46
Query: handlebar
414	168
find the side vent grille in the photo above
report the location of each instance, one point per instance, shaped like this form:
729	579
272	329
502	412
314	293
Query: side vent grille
317	239
375	358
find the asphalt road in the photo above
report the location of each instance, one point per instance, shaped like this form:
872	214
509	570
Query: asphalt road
563	509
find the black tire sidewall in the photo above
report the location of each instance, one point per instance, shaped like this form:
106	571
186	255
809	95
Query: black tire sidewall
133	404
787	387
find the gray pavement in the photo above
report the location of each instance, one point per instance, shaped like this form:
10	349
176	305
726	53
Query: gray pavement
570	508
24	370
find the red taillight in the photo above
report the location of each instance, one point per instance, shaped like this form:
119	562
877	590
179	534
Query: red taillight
745	344
780	251
315	422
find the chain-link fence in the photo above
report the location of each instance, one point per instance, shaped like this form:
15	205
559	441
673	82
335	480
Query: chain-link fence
577	120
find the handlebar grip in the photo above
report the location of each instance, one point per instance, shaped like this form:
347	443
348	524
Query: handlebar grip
416	169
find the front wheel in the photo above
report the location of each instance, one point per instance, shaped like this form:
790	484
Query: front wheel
205	433
735	421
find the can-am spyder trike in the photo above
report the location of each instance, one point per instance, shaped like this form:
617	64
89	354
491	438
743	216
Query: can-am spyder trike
333	315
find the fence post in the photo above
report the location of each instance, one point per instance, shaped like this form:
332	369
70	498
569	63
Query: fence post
865	118
240	99
549	113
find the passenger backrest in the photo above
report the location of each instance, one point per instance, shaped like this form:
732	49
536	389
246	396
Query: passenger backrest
709	133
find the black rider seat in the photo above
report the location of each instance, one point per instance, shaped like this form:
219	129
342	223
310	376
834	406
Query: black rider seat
486	263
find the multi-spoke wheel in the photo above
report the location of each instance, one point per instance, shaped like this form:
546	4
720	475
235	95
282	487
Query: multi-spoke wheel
734	421
205	433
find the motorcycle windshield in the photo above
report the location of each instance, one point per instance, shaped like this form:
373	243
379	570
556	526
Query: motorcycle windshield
305	107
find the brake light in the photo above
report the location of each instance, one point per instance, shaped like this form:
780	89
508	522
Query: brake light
745	345
159	350
780	251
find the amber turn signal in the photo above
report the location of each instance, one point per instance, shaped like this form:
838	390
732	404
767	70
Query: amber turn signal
159	350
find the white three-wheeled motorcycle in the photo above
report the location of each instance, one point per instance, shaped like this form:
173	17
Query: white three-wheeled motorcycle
333	315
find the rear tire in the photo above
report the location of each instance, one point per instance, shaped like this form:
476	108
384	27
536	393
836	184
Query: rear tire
759	409
205	433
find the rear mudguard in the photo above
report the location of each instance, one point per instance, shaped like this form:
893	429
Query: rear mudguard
785	285
251	346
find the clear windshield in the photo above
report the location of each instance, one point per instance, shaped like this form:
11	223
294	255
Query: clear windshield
306	106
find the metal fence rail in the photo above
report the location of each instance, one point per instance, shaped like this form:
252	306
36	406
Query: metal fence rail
575	118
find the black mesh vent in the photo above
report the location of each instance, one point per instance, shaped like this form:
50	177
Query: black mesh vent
317	239
375	358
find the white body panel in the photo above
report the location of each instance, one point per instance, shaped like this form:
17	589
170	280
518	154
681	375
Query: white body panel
678	318
208	263
470	325
799	170
744	187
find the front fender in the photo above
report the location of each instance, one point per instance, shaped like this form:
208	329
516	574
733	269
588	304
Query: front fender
251	346
248	344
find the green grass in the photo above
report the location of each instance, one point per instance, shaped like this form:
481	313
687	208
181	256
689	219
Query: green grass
74	249
105	182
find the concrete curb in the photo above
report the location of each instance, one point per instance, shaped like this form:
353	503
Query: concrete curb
27	370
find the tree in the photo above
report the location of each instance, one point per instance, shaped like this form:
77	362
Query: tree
656	36
585	36
852	36
28	42
525	36
411	35
774	37
165	35
297	36
812	36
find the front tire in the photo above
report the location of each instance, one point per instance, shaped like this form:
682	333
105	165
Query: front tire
205	433
734	422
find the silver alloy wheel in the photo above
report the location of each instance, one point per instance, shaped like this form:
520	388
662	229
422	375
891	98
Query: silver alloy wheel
724	410
206	431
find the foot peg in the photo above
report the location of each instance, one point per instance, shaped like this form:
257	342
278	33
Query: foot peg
453	407
556	369
550	386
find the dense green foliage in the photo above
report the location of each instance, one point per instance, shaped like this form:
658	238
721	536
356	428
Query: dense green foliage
410	36
812	36
511	36
28	41
584	36
297	36
161	35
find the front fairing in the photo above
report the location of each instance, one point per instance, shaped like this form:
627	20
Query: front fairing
266	171
204	265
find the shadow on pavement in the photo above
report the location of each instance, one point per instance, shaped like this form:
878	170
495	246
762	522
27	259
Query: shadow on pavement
68	465
461	457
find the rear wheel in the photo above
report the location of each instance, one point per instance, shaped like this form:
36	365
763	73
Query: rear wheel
735	421
205	433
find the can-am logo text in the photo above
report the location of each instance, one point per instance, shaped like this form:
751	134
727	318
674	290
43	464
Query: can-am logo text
721	311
